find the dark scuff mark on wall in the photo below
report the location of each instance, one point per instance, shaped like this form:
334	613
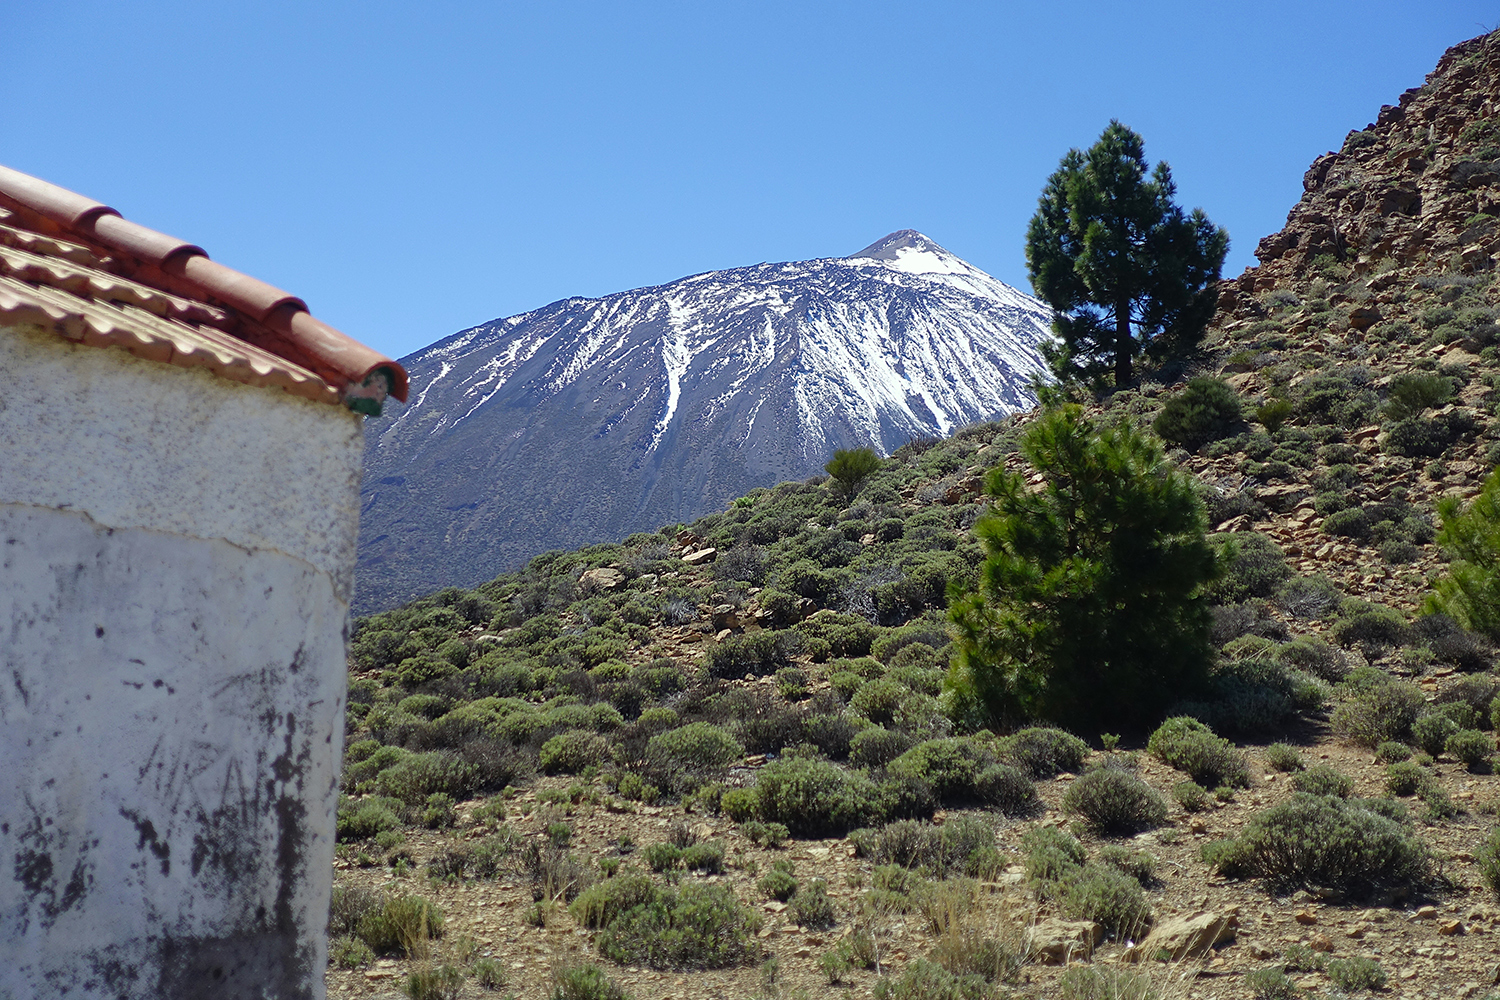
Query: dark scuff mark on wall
147	831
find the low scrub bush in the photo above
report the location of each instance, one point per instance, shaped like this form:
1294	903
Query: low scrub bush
1323	780
697	927
1430	733
1487	856
1048	854
1321	841
1385	710
1404	778
963	845
1139	865
1006	788
1190	795
924	980
1471	748
585	981
1191	747
778	884
1205	410
752	654
1115	801
362	819
1356	973
402	925
877	746
1283	757
1254	566
1043	752
440	982
349	952
1107	896
811	906
813	797
573	751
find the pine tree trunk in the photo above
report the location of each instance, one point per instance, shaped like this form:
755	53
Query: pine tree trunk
1122	344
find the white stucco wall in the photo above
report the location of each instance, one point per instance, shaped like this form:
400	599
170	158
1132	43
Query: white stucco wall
176	555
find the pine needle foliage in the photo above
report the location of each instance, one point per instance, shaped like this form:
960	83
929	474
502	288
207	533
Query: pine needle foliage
1090	609
1470	593
1128	272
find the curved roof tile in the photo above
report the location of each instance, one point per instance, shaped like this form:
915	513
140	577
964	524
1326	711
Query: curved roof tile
75	266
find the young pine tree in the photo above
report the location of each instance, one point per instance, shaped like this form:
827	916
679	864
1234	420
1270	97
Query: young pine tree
1090	609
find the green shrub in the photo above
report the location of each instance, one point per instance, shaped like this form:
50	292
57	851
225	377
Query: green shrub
707	856
947	766
1115	801
441	982
1206	409
490	974
402	925
1412	392
1228	857
811	906
600	902
752	654
880	700
1048	854
1107	896
740	804
769	835
585	982
1139	865
846	635
360	820
924	980
1254	566
1044	752
1087	982
1391	752
1283	757
813	797
349	952
1356	973
697	746
877	746
1382	712
1315	657
777	884
1313	840
416	776
1487	856
1404	778
1190	795
1374	628
1431	732
697	927
1323	780
1006	788
964	844
1472	748
1189	746
662	856
572	751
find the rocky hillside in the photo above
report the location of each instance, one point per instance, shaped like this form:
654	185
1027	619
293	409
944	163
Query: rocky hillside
716	761
589	419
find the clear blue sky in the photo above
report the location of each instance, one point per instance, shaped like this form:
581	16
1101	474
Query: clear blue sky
411	169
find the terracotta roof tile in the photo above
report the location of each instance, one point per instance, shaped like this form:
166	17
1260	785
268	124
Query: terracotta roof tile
73	265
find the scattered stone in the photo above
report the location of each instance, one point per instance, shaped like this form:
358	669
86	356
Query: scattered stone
1451	928
1306	917
1058	942
601	578
1184	937
701	556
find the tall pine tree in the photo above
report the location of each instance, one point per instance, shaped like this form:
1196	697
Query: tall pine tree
1113	253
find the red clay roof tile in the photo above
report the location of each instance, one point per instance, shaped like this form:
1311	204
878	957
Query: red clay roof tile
73	265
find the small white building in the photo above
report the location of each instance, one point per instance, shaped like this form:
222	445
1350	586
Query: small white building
180	451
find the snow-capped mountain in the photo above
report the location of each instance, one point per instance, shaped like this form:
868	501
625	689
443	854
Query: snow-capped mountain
589	419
